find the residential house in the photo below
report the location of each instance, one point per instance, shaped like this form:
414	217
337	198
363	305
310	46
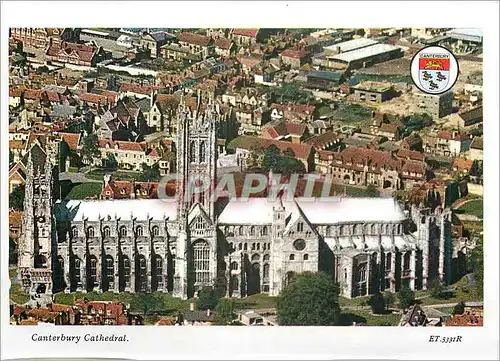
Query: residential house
15	95
251	120
198	44
118	189
287	131
462	166
138	91
245	36
155	41
468	117
244	145
77	54
224	47
128	155
292	112
295	57
453	143
361	167
416	316
476	149
217	33
161	114
326	141
43	37
412	142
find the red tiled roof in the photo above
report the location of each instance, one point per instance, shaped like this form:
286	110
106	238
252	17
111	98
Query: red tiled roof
93	98
223	43
122	145
196	39
308	109
33	94
52	95
325	155
296	54
17	144
72	139
465	320
249	61
84	52
138	89
462	164
446	134
389	128
252	33
410	154
323	140
301	151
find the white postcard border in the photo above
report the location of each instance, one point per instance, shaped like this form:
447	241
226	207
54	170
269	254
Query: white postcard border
267	342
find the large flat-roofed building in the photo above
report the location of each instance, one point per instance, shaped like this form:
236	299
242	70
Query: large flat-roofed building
468	35
367	56
436	105
373	92
349	45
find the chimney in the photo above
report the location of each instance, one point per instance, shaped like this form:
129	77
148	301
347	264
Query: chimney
208	313
191	306
339	50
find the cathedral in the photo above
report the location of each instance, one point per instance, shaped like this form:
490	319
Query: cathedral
242	247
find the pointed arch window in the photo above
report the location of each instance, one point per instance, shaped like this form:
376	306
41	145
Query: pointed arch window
201	261
74	231
139	231
90	232
252	231
155	230
203	151
192	152
264	231
123	231
106	231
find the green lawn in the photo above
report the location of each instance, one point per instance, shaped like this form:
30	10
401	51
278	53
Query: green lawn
359	301
17	295
255	301
461	291
351	191
352	113
98	174
82	191
361	316
474	208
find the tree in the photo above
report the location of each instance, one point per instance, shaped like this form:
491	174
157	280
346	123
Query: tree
111	161
13	252
207	299
406	297
11	157
90	149
476	265
371	191
271	157
150	173
146	302
377	303
436	288
459	308
16	198
388	299
310	299
289	153
224	311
